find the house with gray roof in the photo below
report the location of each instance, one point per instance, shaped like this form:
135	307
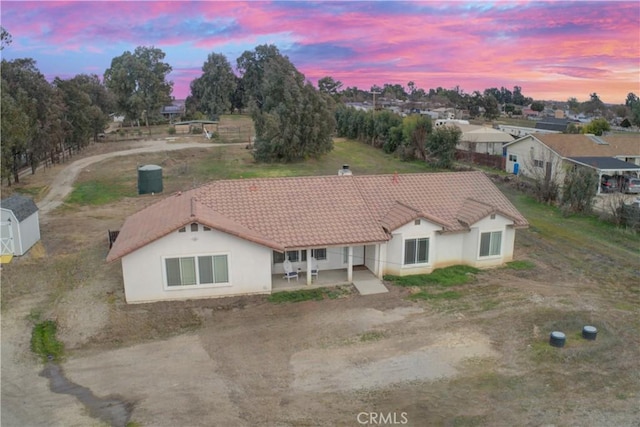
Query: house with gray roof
551	155
232	237
19	225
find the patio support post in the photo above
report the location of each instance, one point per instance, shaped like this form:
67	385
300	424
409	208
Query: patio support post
309	267
350	264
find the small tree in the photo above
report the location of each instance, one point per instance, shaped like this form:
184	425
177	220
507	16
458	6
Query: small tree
580	188
596	127
441	146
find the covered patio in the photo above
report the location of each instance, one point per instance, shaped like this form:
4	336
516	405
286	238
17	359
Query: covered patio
362	279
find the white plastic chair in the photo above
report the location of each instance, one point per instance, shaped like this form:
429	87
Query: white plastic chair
289	273
314	267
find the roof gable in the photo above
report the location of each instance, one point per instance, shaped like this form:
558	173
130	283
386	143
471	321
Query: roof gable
21	206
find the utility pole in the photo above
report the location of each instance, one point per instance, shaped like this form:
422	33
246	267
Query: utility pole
374	98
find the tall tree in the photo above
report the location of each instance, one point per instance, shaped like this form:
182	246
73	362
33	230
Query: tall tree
292	119
78	110
330	86
633	103
35	97
138	81
212	92
537	106
5	38
251	65
14	128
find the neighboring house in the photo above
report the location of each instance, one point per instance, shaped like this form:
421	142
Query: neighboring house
551	123
518	131
482	139
19	225
173	111
231	237
551	154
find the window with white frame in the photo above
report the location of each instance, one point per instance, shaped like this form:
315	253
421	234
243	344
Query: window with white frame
513	158
538	163
490	243
416	251
197	270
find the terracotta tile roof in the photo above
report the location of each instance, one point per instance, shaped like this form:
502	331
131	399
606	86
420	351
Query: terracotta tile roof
579	145
473	211
321	211
438	196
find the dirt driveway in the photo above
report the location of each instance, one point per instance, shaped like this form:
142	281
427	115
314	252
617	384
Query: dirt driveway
62	184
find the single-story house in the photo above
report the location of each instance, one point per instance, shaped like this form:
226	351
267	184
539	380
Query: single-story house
482	139
550	155
519	131
552	123
231	237
19	225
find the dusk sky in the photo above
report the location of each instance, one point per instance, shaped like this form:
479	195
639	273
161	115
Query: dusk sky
552	50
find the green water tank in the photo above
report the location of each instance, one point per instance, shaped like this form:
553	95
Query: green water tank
149	179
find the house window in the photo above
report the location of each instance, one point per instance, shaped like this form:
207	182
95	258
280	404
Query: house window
513	158
493	216
182	230
319	254
205	228
416	222
278	257
194	226
200	270
538	163
416	251
293	256
299	256
345	255
490	243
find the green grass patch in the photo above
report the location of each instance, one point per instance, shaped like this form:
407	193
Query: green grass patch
448	276
521	265
99	193
44	341
446	295
372	336
317	294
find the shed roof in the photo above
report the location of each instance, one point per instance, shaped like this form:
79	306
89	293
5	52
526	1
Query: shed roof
21	206
319	211
476	133
606	163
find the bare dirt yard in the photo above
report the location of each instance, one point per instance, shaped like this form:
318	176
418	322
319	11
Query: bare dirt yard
481	359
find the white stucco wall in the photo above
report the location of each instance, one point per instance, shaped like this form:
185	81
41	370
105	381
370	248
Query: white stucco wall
485	225
394	263
529	149
449	248
143	271
25	234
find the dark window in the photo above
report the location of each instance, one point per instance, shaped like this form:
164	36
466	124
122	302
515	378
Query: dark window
194	227
416	251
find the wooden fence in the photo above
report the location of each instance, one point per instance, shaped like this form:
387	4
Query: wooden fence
483	159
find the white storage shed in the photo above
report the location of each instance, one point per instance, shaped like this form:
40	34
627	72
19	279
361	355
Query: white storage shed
19	225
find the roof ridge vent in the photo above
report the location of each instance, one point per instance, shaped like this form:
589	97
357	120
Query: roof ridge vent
596	139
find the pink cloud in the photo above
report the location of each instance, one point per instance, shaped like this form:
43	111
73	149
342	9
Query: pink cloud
538	45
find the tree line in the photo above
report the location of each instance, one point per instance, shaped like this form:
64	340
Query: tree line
293	119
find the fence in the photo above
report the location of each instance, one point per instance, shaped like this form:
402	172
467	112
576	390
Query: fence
490	160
